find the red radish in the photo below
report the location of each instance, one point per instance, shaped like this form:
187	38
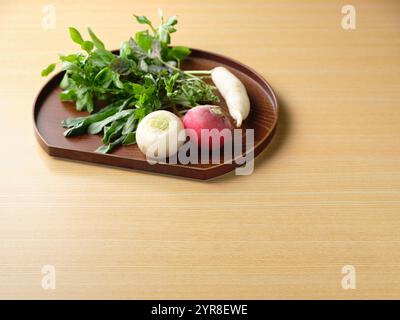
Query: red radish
208	117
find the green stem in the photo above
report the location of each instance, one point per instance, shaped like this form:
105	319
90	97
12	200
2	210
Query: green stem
197	71
169	66
153	29
177	69
189	73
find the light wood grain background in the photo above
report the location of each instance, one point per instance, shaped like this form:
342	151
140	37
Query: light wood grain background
325	193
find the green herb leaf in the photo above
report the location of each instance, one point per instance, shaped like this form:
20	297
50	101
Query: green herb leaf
64	84
68	95
87	46
76	36
49	69
113	131
69	66
84	100
97	42
142	20
125	50
144	40
163	35
104	77
96	127
101	58
122	66
172	21
178	53
110	147
73	58
129	124
130	138
80	125
155	50
117	81
143	65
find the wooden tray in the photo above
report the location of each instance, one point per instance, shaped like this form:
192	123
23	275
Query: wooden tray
49	111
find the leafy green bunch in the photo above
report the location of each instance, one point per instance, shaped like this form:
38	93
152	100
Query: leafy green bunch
142	77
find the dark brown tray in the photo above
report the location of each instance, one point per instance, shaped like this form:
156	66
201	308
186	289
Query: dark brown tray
49	111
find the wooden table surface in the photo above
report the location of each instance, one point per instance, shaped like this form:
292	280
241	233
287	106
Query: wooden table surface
325	194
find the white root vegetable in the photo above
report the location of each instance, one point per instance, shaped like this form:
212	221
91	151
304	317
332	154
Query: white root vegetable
234	93
159	133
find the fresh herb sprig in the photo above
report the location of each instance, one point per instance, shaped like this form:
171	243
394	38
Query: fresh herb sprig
143	77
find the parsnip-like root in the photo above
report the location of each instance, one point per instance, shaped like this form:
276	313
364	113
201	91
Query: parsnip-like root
234	93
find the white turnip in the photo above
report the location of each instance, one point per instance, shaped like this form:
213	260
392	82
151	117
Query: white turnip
158	134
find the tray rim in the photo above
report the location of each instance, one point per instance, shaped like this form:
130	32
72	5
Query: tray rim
57	151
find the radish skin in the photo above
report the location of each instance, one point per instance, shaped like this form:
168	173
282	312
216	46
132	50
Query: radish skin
212	119
234	93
